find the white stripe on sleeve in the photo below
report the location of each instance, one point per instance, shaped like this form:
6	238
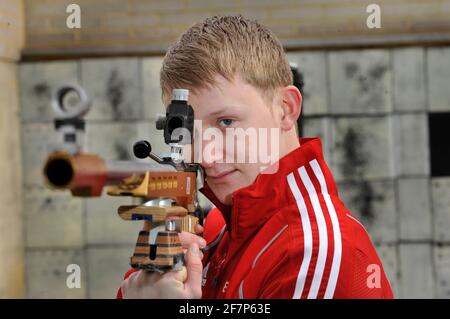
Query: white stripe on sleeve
308	244
336	263
323	234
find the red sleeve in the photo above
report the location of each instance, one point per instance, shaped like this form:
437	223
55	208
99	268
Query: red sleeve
212	232
280	281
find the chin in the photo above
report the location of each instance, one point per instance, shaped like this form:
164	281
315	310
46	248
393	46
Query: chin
225	189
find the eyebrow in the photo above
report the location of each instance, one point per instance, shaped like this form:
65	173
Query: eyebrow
226	109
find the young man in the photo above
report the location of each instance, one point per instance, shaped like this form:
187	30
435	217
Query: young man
281	232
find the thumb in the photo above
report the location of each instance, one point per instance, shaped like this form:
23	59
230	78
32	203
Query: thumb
194	266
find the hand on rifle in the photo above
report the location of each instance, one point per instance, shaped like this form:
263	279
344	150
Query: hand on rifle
183	284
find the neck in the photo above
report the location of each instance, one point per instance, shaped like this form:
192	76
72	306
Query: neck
289	143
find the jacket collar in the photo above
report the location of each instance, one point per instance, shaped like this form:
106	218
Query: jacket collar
253	205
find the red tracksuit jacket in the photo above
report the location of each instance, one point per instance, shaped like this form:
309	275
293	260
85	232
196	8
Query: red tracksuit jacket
288	235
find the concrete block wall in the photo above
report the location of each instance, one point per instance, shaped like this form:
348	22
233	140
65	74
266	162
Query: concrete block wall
369	106
59	229
376	128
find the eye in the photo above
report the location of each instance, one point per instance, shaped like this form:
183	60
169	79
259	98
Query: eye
225	122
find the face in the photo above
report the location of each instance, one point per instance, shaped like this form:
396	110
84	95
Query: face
230	108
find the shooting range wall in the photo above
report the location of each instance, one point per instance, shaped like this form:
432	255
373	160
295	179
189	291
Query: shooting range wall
149	26
371	106
375	136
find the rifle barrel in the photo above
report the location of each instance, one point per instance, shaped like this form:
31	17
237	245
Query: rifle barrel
87	174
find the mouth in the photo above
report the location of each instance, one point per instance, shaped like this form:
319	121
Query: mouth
221	177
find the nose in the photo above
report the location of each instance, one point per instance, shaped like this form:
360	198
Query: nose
212	147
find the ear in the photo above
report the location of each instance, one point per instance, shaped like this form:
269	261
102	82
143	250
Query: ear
291	105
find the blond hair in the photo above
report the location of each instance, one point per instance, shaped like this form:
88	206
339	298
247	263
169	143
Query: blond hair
225	46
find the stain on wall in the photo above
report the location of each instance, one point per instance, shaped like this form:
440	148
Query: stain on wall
115	88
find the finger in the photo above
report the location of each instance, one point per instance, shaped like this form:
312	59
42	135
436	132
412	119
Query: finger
198	229
128	283
133	275
185	252
180	275
194	271
145	278
187	239
135	279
